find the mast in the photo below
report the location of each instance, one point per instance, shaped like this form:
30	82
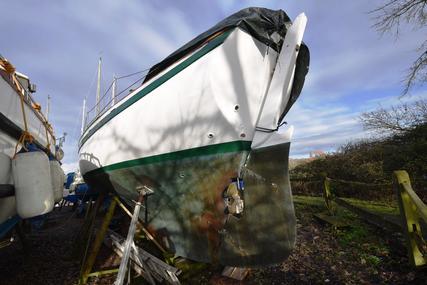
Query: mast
48	107
98	86
83	116
113	91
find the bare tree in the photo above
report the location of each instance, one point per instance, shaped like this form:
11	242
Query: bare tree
397	119
389	17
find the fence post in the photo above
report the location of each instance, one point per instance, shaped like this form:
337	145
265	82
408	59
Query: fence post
327	195
411	210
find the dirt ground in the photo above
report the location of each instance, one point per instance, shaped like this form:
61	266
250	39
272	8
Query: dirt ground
359	254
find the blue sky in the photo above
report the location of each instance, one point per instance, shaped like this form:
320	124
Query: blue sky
353	68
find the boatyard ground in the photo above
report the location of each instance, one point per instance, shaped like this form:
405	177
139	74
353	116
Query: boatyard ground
359	254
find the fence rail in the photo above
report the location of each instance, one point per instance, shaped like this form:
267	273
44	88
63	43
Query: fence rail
412	211
381	192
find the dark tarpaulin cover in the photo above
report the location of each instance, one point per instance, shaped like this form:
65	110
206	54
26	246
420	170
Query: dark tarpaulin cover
260	23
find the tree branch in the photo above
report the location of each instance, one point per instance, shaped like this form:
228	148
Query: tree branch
389	17
397	119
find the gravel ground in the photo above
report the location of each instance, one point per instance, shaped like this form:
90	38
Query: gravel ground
49	258
357	255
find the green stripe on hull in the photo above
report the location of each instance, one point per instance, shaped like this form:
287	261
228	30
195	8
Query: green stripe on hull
177	155
168	75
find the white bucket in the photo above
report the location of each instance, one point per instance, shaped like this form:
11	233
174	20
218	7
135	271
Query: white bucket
33	188
57	178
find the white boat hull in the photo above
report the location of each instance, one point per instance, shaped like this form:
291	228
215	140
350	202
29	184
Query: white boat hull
187	133
11	128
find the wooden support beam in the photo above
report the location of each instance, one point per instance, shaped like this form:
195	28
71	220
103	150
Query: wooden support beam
236	273
88	264
146	232
103	272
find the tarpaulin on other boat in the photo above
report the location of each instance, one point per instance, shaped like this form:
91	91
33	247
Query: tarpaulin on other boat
260	23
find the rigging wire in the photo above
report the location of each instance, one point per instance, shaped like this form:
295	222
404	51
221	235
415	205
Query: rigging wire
132	74
127	88
118	78
118	94
91	85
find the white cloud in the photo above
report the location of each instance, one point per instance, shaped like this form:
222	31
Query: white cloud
324	127
386	102
331	124
69	167
147	38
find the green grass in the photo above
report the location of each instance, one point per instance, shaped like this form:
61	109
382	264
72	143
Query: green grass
358	236
374	206
309	200
354	235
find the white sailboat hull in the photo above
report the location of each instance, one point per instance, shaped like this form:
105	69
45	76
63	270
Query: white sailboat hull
191	130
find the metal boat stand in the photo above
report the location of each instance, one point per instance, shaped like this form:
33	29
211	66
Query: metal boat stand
151	268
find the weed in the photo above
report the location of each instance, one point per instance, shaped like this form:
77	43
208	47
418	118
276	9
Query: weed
353	235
